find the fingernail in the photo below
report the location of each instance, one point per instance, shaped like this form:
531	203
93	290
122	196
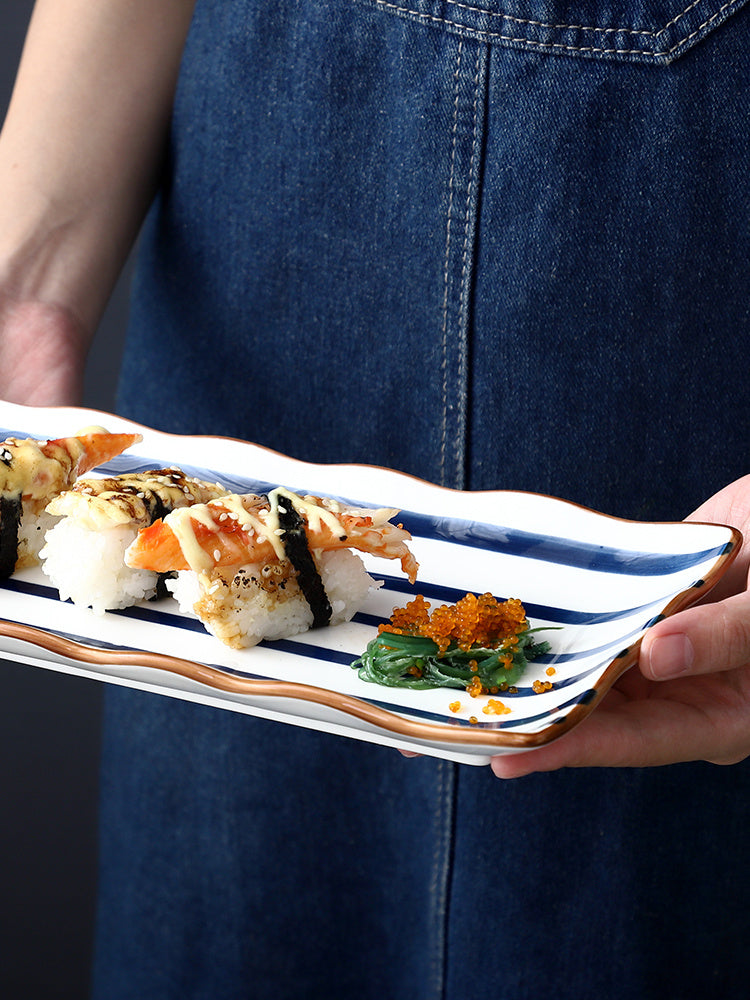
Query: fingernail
670	656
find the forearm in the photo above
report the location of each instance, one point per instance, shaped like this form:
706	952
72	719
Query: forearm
81	146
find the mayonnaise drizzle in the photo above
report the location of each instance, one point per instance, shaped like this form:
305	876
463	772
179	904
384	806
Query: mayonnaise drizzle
263	522
310	509
27	470
110	501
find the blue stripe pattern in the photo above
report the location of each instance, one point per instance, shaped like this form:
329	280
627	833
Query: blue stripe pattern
493	538
526	545
477	535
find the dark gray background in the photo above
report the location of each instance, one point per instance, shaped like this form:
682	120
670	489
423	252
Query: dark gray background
49	744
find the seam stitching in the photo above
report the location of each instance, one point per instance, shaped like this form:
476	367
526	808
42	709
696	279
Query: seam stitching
551	46
446	268
438	880
464	318
577	27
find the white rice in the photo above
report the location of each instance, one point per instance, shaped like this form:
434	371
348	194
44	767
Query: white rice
239	610
31	536
88	567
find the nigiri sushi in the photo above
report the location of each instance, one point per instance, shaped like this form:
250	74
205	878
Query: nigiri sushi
32	473
265	567
84	551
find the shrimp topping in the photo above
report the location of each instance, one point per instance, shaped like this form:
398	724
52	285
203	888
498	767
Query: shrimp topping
37	471
136	498
32	473
237	530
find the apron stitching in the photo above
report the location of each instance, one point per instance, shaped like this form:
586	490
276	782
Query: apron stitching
464	291
446	269
441	872
490	36
531	22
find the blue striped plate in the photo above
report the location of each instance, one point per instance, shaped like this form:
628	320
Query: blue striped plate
598	581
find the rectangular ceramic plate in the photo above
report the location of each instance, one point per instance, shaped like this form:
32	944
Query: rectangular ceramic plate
599	581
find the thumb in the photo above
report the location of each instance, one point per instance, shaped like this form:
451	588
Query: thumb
702	640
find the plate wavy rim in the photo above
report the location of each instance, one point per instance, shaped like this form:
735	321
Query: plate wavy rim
454	733
448	732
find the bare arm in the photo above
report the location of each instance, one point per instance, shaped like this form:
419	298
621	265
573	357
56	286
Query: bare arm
79	155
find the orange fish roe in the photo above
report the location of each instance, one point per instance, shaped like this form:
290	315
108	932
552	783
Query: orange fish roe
495	707
455	706
473	621
541	686
474	687
550	671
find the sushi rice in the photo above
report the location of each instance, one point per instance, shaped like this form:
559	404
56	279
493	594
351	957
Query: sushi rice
31	535
243	606
88	567
97	520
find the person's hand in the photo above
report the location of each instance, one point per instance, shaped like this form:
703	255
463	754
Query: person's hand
690	699
42	354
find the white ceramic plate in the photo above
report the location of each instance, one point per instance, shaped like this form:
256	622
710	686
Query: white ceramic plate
600	581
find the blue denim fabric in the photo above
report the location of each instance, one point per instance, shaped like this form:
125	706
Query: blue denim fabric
496	247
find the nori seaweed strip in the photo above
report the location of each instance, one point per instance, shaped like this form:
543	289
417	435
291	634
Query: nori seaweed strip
11	509
298	553
161	592
155	506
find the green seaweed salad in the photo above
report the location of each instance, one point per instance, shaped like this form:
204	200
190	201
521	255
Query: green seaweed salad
479	644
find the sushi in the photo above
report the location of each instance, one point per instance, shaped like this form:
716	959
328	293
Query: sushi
32	473
96	522
255	567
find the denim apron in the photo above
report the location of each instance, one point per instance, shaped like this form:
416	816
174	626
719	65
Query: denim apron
498	246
